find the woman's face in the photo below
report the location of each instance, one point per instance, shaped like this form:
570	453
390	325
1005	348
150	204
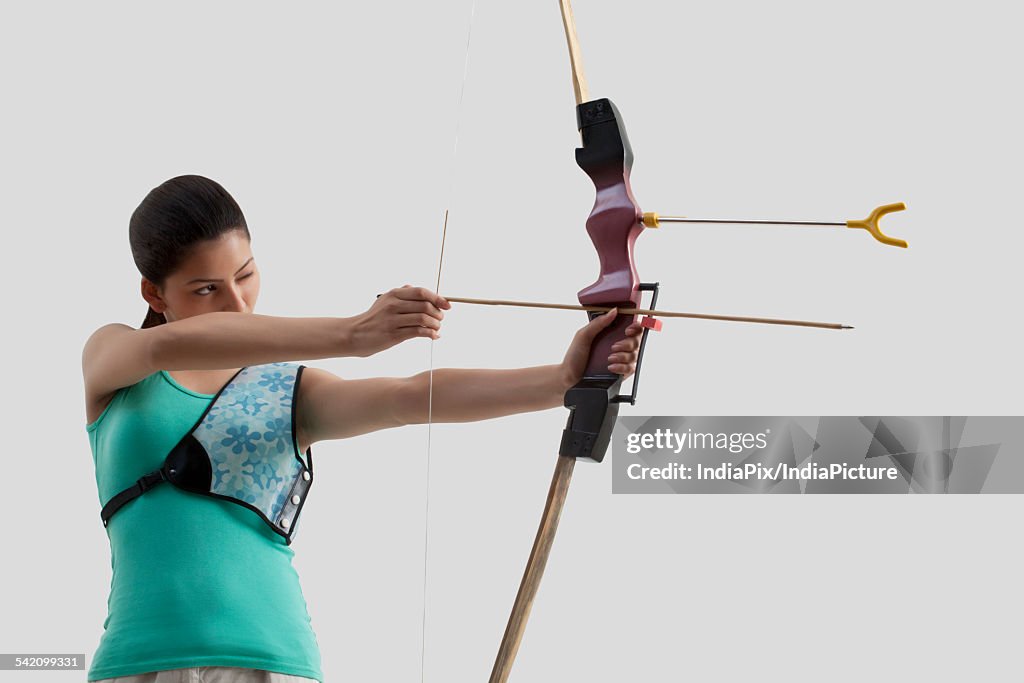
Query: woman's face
219	275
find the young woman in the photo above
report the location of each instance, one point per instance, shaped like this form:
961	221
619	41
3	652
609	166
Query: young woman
204	590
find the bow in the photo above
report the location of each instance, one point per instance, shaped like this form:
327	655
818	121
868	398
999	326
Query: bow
614	224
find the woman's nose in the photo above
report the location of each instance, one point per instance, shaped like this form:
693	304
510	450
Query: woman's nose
235	301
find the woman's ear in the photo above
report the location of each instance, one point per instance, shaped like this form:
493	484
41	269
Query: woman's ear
151	293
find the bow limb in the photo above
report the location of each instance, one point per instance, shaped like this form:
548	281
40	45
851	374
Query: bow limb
579	80
534	569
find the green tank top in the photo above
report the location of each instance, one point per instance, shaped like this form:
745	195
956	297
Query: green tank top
196	581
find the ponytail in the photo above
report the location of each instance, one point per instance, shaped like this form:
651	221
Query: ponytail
153	319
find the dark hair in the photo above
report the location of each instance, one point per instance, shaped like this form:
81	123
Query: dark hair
171	220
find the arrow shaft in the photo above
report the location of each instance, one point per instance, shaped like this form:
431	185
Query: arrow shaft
650	312
680	219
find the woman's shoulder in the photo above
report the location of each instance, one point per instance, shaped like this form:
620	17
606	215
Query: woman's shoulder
113	357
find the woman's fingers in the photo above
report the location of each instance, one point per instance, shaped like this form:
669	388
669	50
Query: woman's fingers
416	301
592	328
406	306
414	332
418	320
623	369
622	360
627	344
421	294
400	314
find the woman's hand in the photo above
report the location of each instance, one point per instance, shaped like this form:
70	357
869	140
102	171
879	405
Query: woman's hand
402	313
621	362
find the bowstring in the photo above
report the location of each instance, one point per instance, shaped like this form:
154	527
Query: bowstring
430	383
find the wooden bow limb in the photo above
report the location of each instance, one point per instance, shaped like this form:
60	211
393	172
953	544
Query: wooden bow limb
534	569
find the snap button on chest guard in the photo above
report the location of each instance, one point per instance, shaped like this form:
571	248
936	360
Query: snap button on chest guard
243	449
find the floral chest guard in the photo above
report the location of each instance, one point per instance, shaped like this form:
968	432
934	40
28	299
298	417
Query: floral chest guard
243	449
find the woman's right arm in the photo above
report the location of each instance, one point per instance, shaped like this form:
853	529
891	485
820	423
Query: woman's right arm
117	355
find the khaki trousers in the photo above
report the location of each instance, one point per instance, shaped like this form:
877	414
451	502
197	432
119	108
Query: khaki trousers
210	674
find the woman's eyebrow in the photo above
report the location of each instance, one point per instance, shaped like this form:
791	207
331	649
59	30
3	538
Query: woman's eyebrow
208	279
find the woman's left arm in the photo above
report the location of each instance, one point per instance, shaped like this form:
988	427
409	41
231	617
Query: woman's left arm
469	395
334	408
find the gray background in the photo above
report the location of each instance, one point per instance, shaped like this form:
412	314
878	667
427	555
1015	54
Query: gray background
333	126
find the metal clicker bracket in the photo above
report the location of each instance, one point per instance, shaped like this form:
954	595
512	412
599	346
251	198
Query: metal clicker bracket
630	398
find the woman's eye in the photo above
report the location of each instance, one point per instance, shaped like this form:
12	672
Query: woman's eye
204	291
